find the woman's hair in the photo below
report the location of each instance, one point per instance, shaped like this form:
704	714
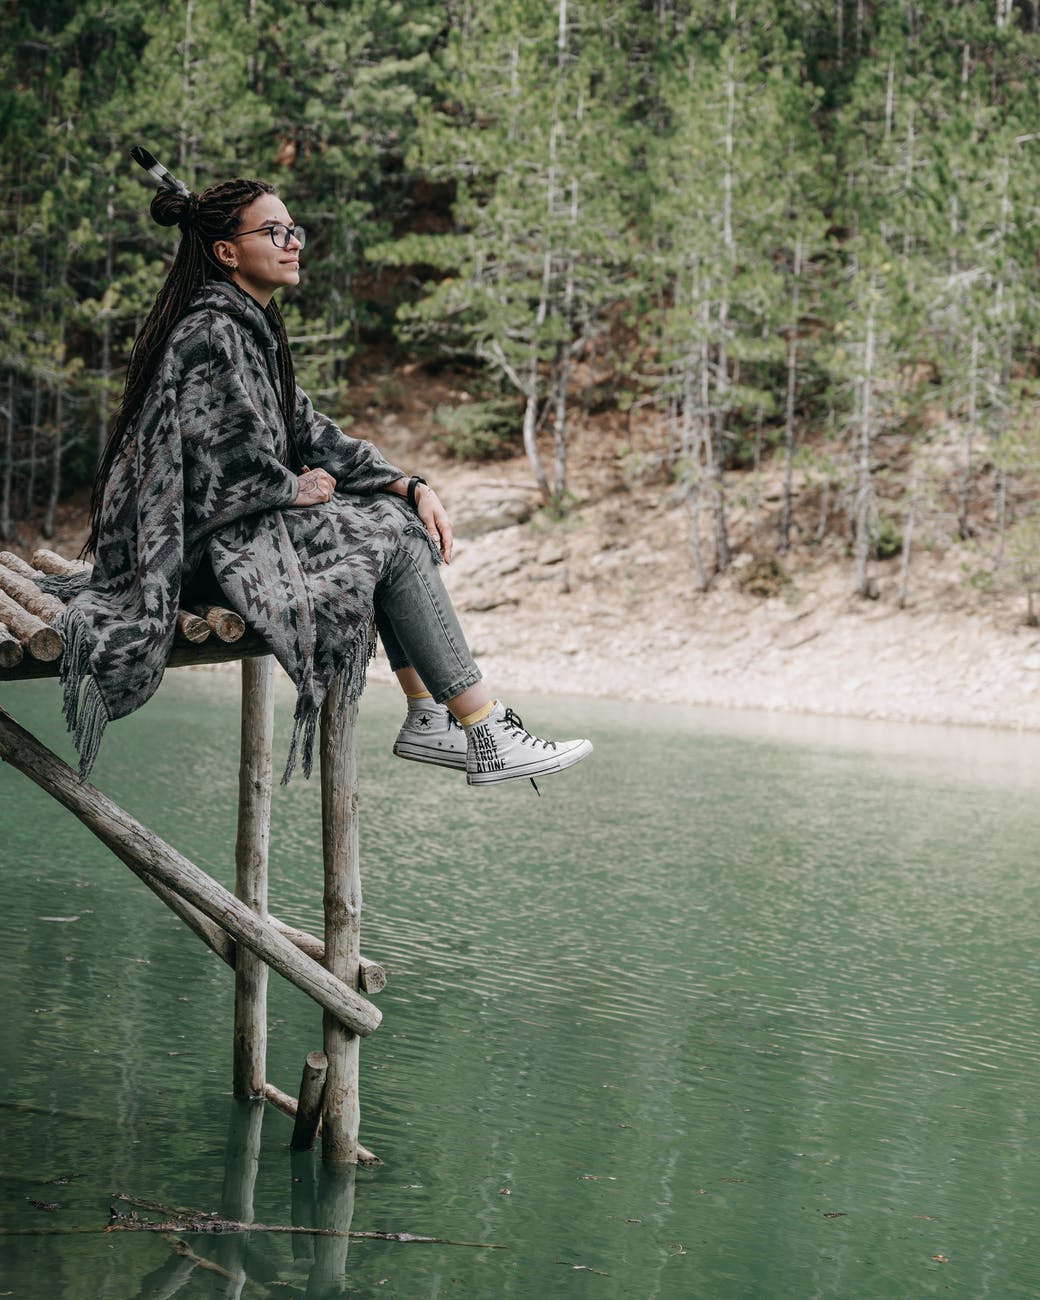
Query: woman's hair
203	218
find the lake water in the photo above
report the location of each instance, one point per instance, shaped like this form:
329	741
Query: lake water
742	1007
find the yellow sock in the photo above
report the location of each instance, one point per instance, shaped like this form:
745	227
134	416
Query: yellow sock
478	715
419	695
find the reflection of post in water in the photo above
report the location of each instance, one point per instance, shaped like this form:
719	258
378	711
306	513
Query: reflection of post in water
241	1163
335	1209
304	1205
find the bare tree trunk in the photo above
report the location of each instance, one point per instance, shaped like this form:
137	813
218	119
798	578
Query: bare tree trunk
963	526
106	325
789	407
561	371
864	484
825	503
1002	483
7	482
184	135
718	457
531	427
58	451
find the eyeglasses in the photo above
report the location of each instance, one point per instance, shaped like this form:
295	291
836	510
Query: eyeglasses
280	235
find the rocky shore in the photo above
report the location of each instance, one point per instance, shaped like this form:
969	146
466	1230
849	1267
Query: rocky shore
604	603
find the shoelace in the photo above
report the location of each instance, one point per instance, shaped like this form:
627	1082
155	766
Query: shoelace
514	723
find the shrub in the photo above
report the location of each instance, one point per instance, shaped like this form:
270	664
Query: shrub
484	430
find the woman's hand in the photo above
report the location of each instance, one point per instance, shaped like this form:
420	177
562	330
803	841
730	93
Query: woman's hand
435	517
316	487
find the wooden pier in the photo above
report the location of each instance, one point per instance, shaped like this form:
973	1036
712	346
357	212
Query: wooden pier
237	926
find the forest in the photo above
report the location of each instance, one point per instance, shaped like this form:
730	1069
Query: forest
801	231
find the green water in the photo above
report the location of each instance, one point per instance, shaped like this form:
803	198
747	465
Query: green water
743	1007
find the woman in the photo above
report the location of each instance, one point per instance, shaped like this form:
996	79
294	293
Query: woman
219	470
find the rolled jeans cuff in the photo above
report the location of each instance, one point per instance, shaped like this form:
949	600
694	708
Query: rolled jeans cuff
417	623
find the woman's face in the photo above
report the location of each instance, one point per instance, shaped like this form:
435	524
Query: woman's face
256	264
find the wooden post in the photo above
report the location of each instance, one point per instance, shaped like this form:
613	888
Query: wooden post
341	1114
254	834
308	1114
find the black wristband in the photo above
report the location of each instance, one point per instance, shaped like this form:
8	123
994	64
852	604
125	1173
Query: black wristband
413	483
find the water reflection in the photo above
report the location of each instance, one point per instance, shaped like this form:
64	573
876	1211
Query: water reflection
729	1014
236	1262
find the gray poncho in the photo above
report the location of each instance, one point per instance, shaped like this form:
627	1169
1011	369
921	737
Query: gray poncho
202	477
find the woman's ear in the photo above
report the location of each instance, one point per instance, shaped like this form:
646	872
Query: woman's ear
225	254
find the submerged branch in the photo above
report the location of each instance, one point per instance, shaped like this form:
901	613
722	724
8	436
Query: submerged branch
181	1221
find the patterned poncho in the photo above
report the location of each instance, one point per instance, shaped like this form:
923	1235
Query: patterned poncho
203	477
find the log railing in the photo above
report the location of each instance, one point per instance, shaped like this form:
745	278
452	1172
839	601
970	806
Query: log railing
237	926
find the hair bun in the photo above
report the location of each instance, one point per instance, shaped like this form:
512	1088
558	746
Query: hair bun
169	208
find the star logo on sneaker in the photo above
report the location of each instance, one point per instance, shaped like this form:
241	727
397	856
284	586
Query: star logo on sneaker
425	720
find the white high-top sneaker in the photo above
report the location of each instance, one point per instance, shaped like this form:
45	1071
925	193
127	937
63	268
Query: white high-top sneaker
501	749
430	734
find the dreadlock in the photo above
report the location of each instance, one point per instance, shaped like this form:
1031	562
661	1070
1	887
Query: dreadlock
203	218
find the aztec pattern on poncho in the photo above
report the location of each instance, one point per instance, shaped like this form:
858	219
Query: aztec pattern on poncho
203	477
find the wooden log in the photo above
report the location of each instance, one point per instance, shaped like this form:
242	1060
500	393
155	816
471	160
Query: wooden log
190	627
181	656
289	1106
308	1113
371	975
53	563
341	1111
29	596
11	653
228	625
208	931
308	943
17	565
41	641
146	854
251	851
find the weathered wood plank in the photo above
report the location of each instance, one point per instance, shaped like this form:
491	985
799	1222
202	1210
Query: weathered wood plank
191	627
182	656
147	854
11	653
228	625
308	1114
251	853
51	562
289	1105
29	596
41	641
17	565
372	976
341	1111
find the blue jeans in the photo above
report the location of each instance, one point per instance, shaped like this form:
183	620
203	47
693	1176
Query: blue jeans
417	624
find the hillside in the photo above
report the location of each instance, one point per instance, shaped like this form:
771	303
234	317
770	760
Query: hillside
605	604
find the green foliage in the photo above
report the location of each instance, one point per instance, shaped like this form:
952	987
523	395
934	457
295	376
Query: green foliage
481	430
886	537
736	215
